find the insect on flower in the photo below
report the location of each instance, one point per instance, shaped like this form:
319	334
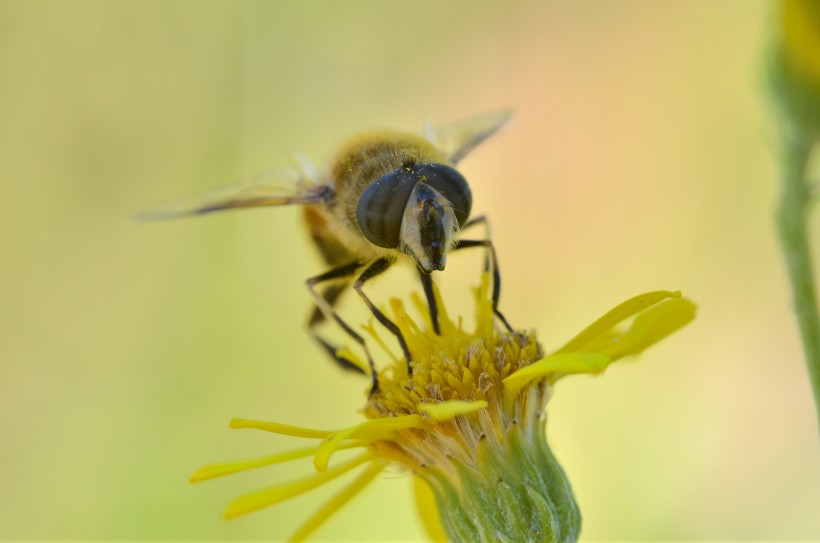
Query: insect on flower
386	197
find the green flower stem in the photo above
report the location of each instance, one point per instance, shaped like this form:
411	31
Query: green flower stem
792	219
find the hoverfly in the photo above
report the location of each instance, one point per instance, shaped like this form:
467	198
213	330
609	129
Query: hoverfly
387	196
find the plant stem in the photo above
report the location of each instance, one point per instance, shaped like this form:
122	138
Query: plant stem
792	219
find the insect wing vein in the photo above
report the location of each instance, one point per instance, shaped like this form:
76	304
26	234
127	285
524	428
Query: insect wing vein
279	187
459	138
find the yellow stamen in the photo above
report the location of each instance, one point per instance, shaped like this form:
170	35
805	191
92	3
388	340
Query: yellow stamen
354	359
279	493
339	500
421	307
370	328
484	309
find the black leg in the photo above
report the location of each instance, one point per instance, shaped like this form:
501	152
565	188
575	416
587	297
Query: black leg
481	219
427	279
370	272
324	304
427	282
331	295
496	294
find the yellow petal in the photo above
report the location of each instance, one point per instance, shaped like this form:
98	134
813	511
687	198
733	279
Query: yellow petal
279	493
426	502
563	363
371	429
650	327
219	469
375	428
614	316
338	501
442	411
329	446
277	428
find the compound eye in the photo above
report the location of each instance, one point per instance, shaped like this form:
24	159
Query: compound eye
451	185
381	208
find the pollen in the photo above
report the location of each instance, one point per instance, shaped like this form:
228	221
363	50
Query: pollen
456	366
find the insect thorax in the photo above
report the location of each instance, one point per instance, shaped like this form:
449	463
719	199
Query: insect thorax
367	158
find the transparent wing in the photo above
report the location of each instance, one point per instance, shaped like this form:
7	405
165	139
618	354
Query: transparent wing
273	188
459	138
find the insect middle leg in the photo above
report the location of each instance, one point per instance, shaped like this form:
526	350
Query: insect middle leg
324	303
376	268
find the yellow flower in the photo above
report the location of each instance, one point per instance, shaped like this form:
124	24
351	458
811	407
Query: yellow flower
800	35
794	69
469	424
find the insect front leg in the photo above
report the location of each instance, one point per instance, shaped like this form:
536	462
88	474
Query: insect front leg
492	263
324	309
374	269
427	283
427	279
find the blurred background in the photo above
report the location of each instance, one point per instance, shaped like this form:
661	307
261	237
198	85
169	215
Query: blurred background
640	157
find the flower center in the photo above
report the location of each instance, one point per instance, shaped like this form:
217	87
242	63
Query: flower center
464	368
452	366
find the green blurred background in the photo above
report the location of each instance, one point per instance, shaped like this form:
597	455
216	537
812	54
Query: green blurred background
640	157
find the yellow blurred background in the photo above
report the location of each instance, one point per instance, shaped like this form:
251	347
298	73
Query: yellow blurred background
640	157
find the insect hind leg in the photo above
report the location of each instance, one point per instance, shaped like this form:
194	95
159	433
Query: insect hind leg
331	295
